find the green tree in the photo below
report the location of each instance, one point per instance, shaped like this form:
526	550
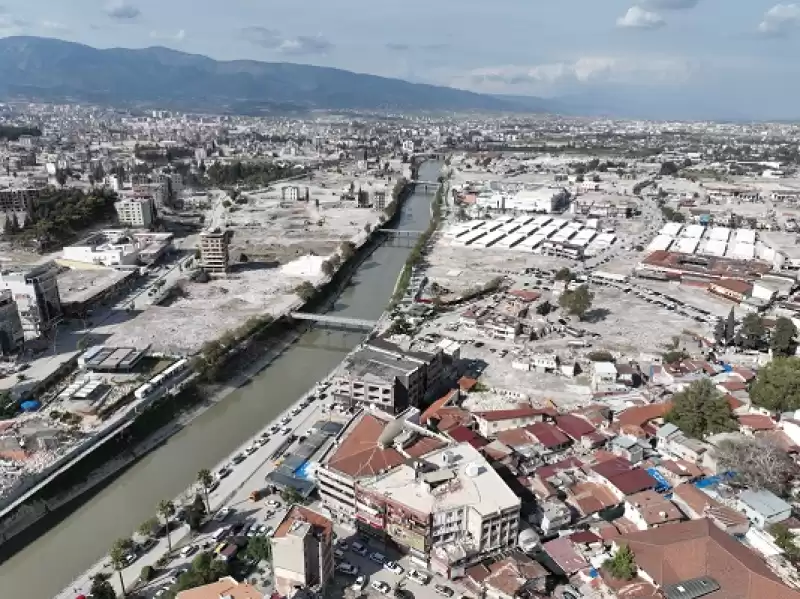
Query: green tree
700	410
347	249
291	496
623	565
564	274
730	327
577	302
544	308
305	290
777	386
782	341
166	509
117	557
100	587
61	177
785	540
148	527
205	480
327	268
752	332
259	548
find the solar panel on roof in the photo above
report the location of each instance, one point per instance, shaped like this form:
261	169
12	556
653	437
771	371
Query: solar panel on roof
691	589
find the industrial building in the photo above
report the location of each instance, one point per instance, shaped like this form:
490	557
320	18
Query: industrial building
214	251
35	291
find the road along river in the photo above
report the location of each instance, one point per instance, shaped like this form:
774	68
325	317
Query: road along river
49	563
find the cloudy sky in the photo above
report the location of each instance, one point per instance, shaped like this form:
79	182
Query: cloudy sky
733	57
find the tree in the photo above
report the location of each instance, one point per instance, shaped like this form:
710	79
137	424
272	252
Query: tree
259	548
327	268
751	335
544	308
674	355
719	332
205	480
785	540
196	513
777	386
757	463
8	229
166	509
564	274
117	557
601	355
577	302
730	327
148	527
61	177
700	410
291	496
347	249
623	565
782	341
101	588
668	168
305	290
367	228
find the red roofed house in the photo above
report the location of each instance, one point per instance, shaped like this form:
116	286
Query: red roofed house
491	423
621	478
565	556
750	423
732	289
579	430
549	436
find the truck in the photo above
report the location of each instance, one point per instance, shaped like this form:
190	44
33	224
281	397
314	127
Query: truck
259	494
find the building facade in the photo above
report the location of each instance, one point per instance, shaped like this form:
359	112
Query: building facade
35	291
11	333
302	551
136	212
214	251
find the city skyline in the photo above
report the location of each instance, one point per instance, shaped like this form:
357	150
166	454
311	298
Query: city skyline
658	55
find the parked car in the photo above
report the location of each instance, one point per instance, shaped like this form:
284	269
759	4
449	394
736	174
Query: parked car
274	503
443	590
420	577
223	513
376	557
188	550
393	567
381	587
359	549
338	554
347	568
359	584
238	458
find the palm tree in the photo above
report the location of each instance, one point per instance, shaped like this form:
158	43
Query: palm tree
147	527
206	480
166	509
117	557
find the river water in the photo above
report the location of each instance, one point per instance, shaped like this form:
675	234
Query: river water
46	565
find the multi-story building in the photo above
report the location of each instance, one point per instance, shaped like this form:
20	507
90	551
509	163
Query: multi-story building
11	333
449	508
379	200
35	290
302	551
136	212
384	376
214	251
373	444
20	200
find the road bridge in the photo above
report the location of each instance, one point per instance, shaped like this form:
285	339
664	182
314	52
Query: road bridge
339	322
397	237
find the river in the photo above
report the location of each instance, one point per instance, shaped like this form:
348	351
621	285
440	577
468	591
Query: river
47	564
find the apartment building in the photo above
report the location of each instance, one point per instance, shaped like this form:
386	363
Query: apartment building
373	444
302	551
384	376
136	212
214	251
35	291
448	509
11	332
21	200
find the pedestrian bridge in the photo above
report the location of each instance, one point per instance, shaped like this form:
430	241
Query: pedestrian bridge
339	322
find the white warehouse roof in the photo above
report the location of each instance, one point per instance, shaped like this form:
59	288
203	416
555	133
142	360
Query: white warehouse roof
720	234
661	242
693	231
671	229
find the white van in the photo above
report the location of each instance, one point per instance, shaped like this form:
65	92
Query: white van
220	534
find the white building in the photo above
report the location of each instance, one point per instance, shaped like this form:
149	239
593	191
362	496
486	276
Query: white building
103	249
35	290
135	212
542	199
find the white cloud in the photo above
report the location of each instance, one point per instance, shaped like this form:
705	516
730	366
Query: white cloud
12	26
639	18
669	4
557	77
178	36
122	11
54	26
292	46
780	19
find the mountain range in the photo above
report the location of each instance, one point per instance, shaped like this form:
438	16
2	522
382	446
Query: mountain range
50	70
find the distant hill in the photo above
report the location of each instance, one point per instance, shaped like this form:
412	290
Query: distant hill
43	69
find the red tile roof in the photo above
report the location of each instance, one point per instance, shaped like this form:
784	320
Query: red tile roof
546	472
526	412
574	426
633	481
465	383
462	434
756	422
563	553
300	513
359	453
548	435
437	405
675	553
640	415
526	295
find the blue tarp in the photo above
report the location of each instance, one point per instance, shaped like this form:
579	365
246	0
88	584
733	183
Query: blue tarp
30	406
663	484
727	367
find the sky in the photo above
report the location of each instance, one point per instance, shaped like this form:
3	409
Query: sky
730	58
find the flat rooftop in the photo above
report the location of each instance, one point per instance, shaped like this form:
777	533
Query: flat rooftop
299	514
458	476
369	364
360	455
77	285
